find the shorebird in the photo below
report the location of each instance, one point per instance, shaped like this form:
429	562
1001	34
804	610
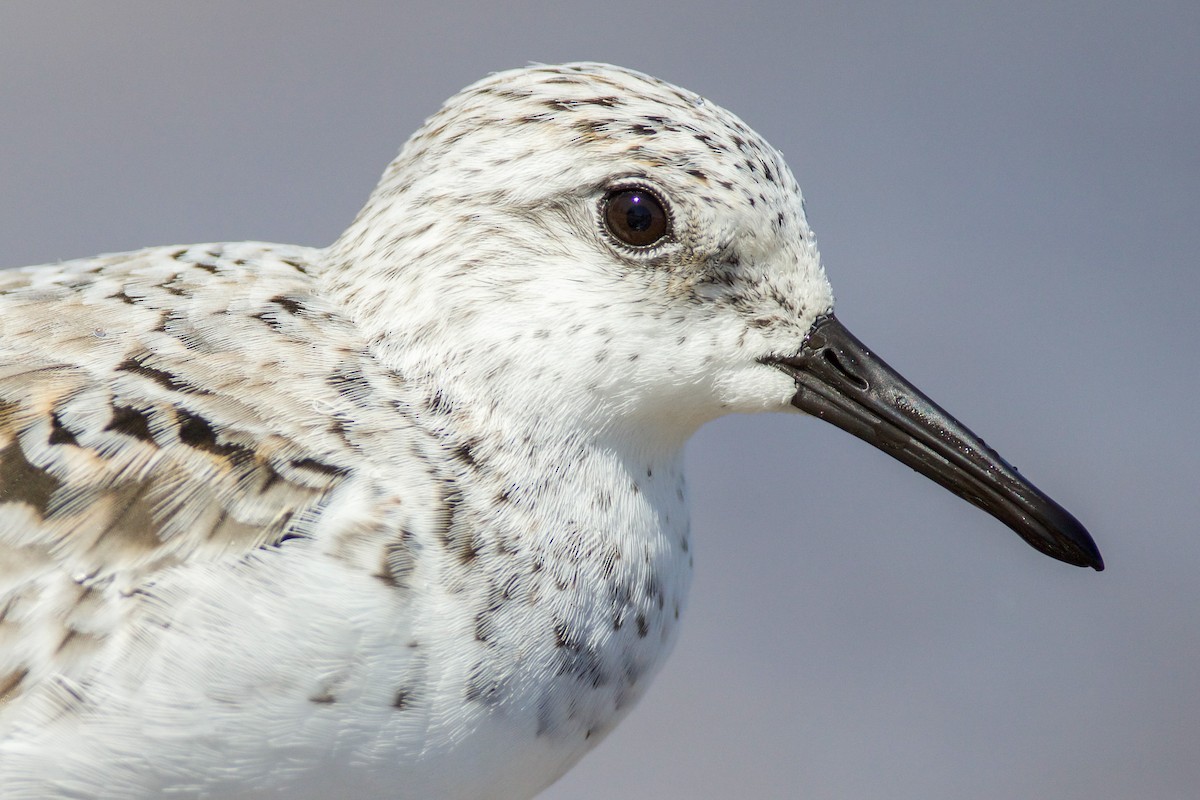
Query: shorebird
405	516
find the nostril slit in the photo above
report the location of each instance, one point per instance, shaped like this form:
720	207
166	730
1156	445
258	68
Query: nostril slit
835	362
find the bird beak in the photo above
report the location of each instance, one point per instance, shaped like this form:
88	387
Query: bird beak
839	380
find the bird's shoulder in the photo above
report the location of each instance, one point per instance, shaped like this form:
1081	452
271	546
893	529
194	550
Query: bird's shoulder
173	406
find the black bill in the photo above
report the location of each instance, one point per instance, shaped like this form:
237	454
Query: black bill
839	380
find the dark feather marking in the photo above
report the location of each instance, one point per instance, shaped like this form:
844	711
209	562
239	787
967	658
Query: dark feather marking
22	482
195	431
596	126
124	297
8	411
577	659
71	698
465	452
468	548
133	524
350	383
10	682
270	319
438	404
313	465
485	628
71	634
288	304
272	476
59	433
136	366
398	562
562	636
131	422
482	686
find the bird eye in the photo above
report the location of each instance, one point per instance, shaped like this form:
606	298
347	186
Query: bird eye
635	217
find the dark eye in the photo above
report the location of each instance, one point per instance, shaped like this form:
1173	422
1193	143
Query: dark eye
635	217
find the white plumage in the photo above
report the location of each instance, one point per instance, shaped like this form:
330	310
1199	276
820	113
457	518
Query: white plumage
405	516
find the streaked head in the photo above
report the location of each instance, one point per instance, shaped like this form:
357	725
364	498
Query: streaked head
652	253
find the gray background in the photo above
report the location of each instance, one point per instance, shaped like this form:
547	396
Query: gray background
1007	205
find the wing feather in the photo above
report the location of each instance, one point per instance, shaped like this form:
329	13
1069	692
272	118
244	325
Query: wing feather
166	406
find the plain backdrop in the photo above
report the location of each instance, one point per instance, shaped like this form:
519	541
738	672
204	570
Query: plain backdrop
1006	198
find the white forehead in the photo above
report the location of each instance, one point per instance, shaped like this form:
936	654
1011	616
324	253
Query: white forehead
588	122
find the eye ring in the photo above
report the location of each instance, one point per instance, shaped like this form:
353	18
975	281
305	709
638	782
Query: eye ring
636	217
